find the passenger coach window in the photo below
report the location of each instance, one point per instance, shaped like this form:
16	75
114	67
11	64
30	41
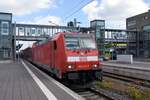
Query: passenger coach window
55	45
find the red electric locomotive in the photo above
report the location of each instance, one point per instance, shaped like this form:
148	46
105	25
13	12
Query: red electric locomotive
72	56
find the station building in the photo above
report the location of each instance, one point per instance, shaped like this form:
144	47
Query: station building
96	26
5	35
141	24
110	42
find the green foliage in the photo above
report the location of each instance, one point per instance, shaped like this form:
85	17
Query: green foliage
138	94
104	84
146	95
135	93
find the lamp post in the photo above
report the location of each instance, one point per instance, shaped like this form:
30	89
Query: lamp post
18	51
53	27
115	45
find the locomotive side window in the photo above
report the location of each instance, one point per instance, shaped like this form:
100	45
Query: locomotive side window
55	45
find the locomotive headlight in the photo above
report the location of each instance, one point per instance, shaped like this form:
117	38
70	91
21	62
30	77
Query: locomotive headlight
95	65
69	66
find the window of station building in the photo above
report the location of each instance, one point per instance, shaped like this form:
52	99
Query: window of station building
21	31
4	28
97	34
131	23
28	31
146	27
101	23
5	53
93	24
98	23
33	31
39	31
45	30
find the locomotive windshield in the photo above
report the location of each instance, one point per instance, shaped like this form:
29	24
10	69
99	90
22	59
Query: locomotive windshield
80	43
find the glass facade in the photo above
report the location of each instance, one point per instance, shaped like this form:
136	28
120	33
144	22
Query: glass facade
5	36
146	27
98	25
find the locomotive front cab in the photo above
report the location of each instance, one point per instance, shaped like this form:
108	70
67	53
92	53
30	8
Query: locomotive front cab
82	57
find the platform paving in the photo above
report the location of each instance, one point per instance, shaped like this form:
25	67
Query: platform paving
136	64
17	84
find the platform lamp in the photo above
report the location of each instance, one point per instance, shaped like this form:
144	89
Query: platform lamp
53	23
115	45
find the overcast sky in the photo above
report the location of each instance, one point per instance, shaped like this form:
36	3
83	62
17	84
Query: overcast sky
114	12
42	11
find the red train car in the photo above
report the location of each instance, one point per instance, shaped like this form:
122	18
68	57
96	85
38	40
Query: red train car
27	53
70	56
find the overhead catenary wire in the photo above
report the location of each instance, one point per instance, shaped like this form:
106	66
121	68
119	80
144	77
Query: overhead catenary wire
78	10
74	7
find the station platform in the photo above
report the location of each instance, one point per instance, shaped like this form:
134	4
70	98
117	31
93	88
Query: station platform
22	81
136	64
138	70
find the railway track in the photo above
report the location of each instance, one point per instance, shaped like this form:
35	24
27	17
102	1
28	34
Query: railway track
91	94
95	93
137	81
138	71
87	93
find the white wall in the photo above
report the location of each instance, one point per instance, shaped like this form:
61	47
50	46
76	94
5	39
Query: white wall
125	58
